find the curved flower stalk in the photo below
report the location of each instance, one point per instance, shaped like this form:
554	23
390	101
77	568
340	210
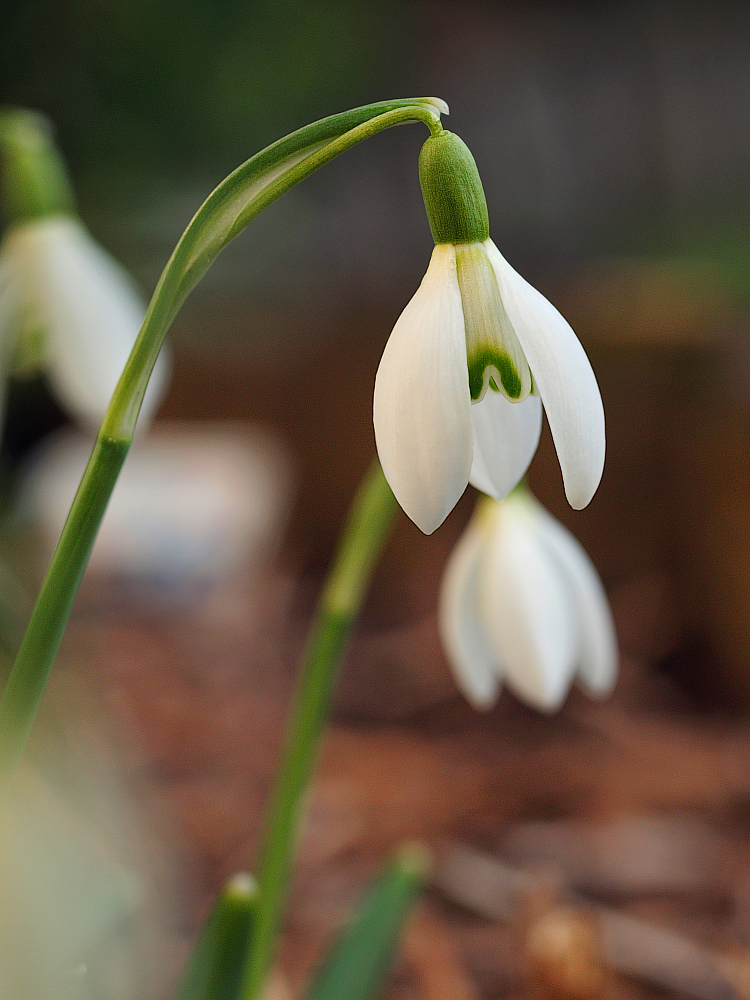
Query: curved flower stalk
460	387
239	198
225	213
521	602
67	309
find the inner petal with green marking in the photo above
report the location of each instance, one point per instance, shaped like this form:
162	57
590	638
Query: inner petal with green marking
494	355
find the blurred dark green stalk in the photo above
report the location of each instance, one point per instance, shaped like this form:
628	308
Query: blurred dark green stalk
361	543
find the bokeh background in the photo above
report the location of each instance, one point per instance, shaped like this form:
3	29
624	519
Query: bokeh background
614	147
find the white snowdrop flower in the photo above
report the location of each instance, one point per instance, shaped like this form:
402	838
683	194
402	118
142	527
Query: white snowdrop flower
521	602
67	308
471	360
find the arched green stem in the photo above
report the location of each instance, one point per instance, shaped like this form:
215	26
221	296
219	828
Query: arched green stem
234	203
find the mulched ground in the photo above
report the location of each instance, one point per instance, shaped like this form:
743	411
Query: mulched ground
642	802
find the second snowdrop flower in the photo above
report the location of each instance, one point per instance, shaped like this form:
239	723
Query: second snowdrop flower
67	309
460	387
522	603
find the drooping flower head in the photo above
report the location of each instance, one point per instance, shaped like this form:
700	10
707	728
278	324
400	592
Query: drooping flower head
67	309
522	603
460	387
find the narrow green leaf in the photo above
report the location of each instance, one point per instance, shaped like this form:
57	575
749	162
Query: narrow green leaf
214	971
356	966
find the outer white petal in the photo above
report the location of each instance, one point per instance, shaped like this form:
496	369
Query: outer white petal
526	608
564	377
90	310
597	657
474	665
421	405
506	436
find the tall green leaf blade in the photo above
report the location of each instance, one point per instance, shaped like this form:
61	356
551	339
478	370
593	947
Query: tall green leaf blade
357	964
214	971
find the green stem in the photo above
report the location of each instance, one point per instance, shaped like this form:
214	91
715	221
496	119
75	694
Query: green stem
234	203
225	213
361	543
28	678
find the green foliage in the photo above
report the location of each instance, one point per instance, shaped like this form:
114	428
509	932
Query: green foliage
214	971
359	961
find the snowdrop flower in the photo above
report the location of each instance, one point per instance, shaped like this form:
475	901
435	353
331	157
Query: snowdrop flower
521	602
460	387
67	309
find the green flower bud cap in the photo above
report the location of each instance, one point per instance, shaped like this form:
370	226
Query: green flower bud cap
452	191
33	178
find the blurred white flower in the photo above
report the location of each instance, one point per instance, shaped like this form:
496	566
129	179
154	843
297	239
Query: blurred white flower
475	325
69	311
521	602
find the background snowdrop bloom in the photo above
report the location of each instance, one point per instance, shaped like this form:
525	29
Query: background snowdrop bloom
67	309
460	387
522	602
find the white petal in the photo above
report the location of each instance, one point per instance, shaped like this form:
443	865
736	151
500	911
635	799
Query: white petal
564	378
475	667
90	311
597	657
506	436
527	611
421	405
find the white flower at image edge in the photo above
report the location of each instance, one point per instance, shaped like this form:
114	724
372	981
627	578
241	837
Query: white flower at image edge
71	307
432	439
522	603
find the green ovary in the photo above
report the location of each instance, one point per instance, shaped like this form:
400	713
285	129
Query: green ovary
502	370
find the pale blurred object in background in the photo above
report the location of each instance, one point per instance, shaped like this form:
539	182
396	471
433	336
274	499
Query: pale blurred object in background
64	897
196	505
68	310
91	879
